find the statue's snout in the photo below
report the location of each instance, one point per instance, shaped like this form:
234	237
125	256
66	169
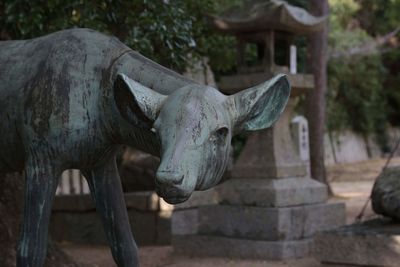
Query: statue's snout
169	178
169	186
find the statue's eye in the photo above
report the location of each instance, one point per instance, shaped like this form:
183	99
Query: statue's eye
222	132
219	135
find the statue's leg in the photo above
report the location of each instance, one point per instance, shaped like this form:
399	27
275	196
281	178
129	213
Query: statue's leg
41	179
106	189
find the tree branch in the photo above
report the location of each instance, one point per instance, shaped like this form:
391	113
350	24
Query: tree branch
368	48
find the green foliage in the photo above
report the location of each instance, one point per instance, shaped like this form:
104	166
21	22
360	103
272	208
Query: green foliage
356	98
379	16
222	53
363	90
169	32
391	85
173	33
342	12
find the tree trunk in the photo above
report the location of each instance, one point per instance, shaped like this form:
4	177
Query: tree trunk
11	199
315	101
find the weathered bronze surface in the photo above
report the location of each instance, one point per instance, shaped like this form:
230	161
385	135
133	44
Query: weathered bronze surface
70	99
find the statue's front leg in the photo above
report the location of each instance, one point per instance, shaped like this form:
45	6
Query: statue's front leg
40	186
106	189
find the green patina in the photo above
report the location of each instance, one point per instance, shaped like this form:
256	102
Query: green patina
72	98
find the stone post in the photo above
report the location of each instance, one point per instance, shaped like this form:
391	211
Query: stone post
272	147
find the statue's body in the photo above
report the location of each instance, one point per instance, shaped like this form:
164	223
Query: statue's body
57	89
70	99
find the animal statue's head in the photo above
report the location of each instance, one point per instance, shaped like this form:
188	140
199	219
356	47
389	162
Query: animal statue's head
195	125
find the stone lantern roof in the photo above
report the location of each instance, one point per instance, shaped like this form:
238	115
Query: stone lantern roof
264	24
263	15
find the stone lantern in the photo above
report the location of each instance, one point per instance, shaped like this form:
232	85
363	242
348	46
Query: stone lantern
271	207
265	24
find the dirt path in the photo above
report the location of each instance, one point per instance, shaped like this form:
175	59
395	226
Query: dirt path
162	256
351	183
358	171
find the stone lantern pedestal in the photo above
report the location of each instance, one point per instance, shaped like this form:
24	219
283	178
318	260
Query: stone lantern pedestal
269	209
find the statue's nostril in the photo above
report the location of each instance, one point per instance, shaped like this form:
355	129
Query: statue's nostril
179	181
169	178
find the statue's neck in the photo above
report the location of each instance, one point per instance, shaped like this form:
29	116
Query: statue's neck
142	139
149	73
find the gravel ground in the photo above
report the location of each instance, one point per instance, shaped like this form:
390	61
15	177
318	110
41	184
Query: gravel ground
162	256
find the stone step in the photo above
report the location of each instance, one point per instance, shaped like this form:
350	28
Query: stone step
217	246
259	223
272	192
371	243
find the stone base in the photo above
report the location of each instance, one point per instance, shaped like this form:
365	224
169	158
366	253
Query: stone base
259	223
216	246
272	192
252	232
372	243
270	224
243	171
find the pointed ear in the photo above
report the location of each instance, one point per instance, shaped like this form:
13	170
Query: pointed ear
138	104
259	107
